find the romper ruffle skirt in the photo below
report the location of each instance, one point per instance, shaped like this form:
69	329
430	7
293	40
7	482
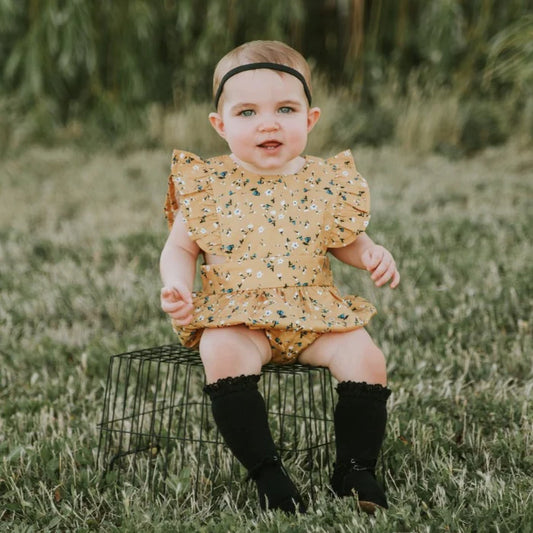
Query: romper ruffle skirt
274	232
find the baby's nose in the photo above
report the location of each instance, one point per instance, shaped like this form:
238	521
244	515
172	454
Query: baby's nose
269	124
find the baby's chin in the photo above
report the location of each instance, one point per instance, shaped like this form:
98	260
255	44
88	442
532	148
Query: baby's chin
271	161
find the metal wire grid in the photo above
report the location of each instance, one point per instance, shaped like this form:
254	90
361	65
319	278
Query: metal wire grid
157	425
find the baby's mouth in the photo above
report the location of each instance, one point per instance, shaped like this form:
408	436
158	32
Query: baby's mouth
270	145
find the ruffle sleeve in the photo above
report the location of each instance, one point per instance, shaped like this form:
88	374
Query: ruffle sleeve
190	190
349	209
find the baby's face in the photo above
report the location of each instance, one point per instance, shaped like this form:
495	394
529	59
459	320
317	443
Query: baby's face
265	119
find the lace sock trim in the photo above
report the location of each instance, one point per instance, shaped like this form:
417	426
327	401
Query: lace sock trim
232	384
363	390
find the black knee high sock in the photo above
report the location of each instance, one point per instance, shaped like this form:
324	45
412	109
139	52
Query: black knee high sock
359	418
240	414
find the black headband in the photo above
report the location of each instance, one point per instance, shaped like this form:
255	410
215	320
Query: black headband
254	66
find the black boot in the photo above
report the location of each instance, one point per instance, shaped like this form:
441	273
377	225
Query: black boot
360	417
240	414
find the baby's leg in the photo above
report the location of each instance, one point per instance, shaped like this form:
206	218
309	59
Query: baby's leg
360	414
233	351
232	359
350	356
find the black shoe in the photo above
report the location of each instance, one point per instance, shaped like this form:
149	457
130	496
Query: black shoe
362	483
275	488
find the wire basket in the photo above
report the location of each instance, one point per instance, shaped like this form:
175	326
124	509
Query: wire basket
157	425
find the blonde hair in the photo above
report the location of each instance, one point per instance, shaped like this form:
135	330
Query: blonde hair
261	52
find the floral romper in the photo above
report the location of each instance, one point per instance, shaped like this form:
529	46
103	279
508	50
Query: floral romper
274	232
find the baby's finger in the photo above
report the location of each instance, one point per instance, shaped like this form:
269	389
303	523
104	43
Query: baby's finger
182	293
395	280
385	276
184	322
183	316
181	310
172	306
167	293
383	267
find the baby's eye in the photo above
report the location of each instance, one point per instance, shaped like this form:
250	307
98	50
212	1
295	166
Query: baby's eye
247	113
286	109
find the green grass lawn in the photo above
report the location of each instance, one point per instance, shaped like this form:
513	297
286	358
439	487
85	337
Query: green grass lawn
80	236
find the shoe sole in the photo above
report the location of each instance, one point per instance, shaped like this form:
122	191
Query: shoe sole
369	507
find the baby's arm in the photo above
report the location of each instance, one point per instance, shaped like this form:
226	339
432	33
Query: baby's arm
177	266
364	253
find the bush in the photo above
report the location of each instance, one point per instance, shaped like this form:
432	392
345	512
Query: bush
483	124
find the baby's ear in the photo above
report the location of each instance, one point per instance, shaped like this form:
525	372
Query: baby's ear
218	124
312	118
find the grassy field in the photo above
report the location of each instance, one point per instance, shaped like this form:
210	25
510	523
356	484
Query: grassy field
80	235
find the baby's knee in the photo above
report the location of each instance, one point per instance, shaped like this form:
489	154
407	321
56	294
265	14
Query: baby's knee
359	360
372	365
374	354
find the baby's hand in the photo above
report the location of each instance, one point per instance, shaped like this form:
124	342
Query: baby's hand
176	301
380	262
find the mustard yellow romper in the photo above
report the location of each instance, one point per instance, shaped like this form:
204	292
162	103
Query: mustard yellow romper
274	232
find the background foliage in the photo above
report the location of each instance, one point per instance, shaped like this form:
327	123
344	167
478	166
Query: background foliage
73	63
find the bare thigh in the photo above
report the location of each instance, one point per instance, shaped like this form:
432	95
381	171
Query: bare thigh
350	356
233	351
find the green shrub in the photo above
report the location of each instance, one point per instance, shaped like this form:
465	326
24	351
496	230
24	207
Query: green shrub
483	124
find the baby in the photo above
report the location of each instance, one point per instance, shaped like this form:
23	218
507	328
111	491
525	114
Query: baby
264	218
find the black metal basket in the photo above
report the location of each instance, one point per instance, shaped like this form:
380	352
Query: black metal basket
157	425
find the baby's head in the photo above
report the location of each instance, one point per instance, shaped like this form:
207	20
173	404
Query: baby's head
262	92
274	52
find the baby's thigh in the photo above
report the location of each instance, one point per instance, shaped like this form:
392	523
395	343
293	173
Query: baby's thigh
234	350
354	343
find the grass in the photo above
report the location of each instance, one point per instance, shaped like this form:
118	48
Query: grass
80	235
